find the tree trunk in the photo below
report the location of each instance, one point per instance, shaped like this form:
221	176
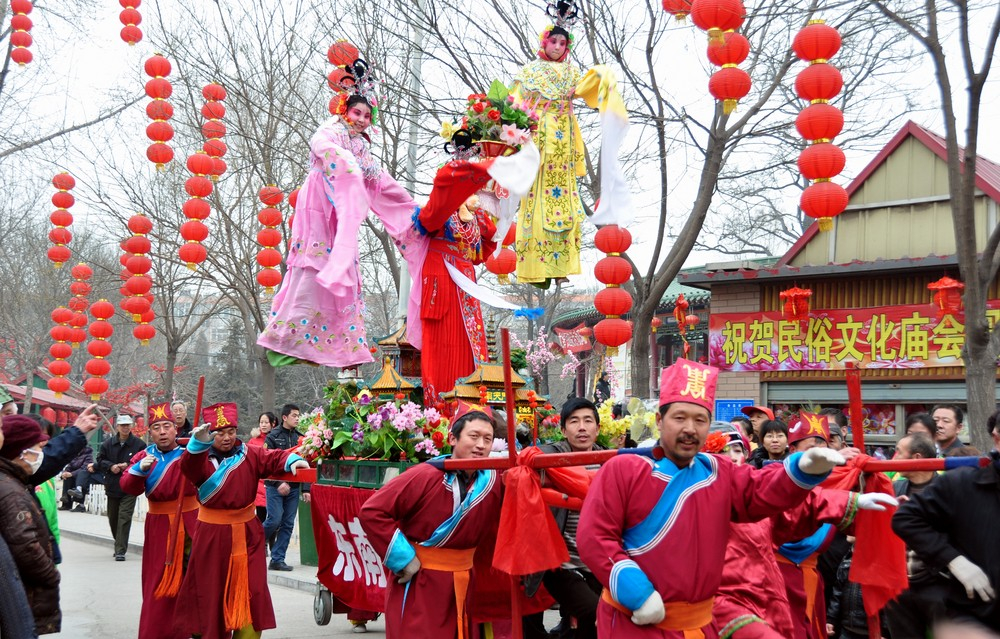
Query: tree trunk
640	370
980	388
168	373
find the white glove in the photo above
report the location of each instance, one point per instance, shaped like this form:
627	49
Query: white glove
650	612
202	433
972	577
408	571
297	464
820	461
876	501
146	463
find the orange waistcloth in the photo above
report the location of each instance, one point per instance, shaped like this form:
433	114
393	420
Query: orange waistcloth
810	580
236	600
169	507
456	561
680	616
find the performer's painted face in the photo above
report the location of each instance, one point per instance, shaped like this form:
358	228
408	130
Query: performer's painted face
580	429
225	439
164	435
683	430
359	116
555	46
475	440
736	453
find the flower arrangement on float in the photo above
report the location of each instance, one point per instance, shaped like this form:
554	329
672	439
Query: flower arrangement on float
354	424
495	119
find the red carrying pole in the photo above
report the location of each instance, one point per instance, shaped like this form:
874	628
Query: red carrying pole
508	390
854	401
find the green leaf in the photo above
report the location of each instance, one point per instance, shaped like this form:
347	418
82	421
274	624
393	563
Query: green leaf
497	93
341	437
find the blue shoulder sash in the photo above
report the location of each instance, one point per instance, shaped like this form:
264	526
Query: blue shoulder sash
482	484
159	469
216	479
798	551
681	484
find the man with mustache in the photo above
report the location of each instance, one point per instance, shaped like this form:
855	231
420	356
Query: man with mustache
654	529
425	525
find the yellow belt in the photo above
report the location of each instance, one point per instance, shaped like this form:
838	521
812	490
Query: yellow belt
680	616
456	561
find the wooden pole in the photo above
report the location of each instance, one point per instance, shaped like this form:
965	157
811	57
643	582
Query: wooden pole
854	401
508	389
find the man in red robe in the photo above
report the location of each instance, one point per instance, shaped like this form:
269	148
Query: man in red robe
157	472
225	587
426	524
654	529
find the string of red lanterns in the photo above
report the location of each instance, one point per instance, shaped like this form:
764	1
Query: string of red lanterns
612	271
61	218
60	351
269	237
138	264
819	123
679	9
159	110
131	19
214	129
685	321
99	348
196	209
340	54
20	37
726	49
80	289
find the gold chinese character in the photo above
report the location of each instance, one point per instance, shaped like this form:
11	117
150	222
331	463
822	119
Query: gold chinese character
697	379
789	341
819	340
816	423
761	336
220	418
880	333
949	335
735	336
849	336
913	337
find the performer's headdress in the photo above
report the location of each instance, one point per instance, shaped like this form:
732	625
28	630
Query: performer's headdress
565	14
352	79
160	413
690	382
464	408
461	146
809	425
219	416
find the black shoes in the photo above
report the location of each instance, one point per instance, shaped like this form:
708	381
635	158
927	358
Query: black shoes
279	565
75	494
119	557
79	509
65	504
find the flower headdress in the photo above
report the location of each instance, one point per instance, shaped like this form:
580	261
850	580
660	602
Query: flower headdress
565	14
351	77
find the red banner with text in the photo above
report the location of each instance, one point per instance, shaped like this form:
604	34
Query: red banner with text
349	567
897	337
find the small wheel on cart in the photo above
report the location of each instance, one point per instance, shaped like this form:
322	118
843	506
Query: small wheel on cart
322	606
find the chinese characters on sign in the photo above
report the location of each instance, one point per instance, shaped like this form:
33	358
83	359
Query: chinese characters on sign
356	557
882	337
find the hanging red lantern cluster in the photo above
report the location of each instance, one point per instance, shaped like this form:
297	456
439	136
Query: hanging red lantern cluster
730	84
613	301
131	19
196	209
61	350
820	123
78	303
20	37
99	348
137	300
795	305
947	296
717	16
269	237
159	111
213	111
60	236
679	9
340	54
685	321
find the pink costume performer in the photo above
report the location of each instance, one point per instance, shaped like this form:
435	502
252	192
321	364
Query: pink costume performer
652	530
318	313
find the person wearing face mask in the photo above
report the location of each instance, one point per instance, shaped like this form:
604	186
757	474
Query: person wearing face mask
22	524
318	313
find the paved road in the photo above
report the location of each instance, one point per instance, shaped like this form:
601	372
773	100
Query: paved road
101	599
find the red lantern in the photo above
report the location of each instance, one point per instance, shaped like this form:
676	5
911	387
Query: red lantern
213	92
269	278
63	181
733	49
196	209
99	348
342	53
613	302
138	285
144	333
817	42
586	332
823	201
502	264
157	66
194	231
58	385
198	186
159	89
213	129
159	110
655	323
947	295
95	387
269	217
271	195
269	258
62	199
716	16
213	111
612	332
140	224
679	9
102	309
269	238
215	148
796	303
612	239
199	163
821	161
820	122
612	270
819	81
159	131
20	39
729	85
192	254
293	198
159	154
58	255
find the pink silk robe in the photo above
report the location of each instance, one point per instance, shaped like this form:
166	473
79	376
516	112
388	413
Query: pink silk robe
200	602
318	313
156	621
681	558
752	582
408	510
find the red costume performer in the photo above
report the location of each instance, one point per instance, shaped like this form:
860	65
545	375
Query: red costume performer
165	533
225	588
654	531
438	518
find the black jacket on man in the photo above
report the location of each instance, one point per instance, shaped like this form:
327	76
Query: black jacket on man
957	515
281	438
115	451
